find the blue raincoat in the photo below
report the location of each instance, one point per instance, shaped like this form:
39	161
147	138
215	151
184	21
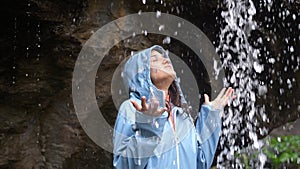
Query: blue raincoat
142	141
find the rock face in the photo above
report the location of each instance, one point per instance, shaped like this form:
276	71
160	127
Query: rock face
41	39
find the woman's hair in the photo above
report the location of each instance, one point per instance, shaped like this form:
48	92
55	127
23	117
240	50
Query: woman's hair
174	94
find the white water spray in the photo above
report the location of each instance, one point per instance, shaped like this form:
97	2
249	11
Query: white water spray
241	59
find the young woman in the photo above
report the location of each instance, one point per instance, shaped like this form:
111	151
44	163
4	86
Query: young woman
153	129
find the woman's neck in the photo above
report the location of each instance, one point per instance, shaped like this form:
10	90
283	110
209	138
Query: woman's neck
166	93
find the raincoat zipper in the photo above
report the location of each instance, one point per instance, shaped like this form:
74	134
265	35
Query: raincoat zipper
176	138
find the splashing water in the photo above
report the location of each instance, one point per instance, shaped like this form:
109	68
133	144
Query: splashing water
241	60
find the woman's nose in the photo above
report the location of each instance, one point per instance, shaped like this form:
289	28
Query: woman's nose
166	61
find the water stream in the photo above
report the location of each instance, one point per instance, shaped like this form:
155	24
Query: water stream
241	60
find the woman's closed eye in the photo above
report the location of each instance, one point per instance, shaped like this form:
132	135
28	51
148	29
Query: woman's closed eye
154	58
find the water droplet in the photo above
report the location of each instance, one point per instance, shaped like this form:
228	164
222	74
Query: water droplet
145	32
124	153
291	49
289	83
139	162
262	89
141	69
156	124
281	91
158	14
271	60
257	67
161	27
167	40
278	139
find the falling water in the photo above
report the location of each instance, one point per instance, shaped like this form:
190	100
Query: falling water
241	60
14	50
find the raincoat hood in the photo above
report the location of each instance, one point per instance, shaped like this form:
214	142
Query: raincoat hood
136	76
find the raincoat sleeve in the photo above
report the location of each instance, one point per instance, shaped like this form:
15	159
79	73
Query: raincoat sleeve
135	137
208	127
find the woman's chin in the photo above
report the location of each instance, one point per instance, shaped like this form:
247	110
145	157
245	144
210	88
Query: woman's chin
173	76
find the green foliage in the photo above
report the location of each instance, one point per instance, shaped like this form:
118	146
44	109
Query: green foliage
281	152
284	149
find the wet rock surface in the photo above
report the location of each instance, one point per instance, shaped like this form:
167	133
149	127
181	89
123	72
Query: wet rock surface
41	39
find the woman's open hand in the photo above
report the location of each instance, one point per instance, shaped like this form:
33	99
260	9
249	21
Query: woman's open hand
150	109
221	100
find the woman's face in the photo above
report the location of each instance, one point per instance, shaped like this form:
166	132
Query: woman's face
161	68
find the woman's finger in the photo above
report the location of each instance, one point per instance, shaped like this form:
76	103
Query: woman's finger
136	105
229	92
162	110
153	99
227	97
144	104
206	99
154	107
220	95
